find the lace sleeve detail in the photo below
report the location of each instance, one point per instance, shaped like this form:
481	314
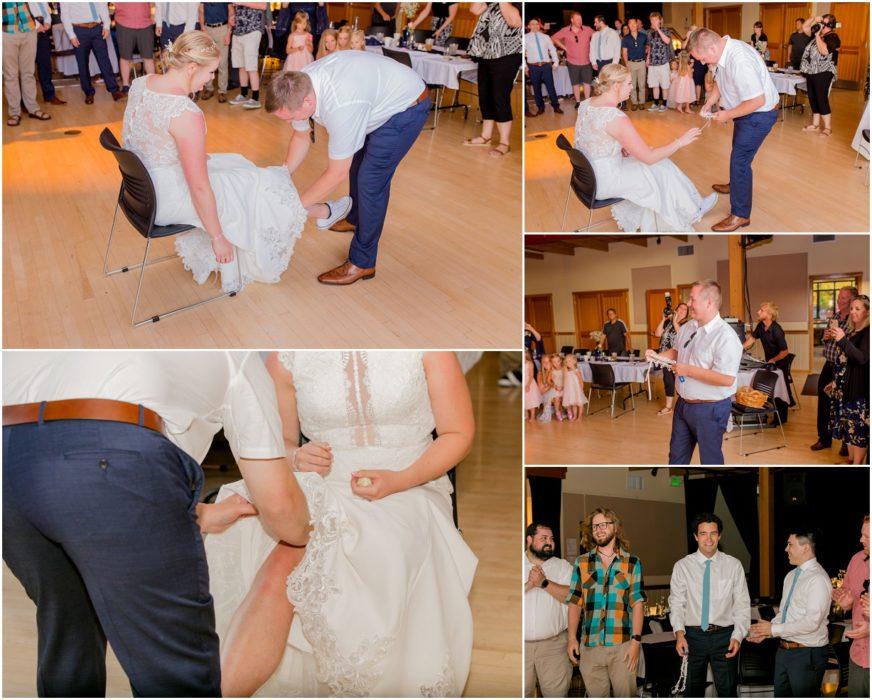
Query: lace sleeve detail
591	137
179	106
286	357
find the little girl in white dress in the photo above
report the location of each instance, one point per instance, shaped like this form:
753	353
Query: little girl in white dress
573	389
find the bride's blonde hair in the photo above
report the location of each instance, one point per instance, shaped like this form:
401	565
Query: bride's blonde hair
611	74
191	47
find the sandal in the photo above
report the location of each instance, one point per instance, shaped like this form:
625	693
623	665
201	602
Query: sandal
811	127
826	132
39	114
498	152
664	411
476	141
14	121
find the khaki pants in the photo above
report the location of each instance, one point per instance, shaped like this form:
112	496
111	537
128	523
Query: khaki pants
546	660
217	34
605	673
639	85
19	65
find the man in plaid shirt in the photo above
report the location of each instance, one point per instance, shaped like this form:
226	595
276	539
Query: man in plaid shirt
831	351
608	591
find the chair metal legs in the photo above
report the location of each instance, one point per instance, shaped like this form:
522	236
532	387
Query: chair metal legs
760	429
614	393
440	92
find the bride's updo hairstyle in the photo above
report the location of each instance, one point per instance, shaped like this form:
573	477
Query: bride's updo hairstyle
191	47
610	75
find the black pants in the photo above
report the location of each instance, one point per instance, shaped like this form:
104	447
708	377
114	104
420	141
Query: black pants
825	435
495	79
669	383
818	87
799	672
43	64
709	648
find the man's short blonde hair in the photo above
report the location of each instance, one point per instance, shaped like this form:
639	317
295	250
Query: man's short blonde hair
773	309
287	89
701	38
711	290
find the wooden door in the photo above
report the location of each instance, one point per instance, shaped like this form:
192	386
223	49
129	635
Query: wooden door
539	313
655	302
590	312
618	300
726	20
854	33
772	16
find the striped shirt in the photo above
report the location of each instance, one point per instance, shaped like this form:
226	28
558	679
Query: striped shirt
16	18
606	597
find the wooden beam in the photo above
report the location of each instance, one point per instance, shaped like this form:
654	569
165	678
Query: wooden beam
593	242
534	255
559	248
636	240
766	517
737	276
551	472
680	238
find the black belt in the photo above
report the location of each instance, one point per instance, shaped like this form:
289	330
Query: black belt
217	24
543	63
635	60
710	628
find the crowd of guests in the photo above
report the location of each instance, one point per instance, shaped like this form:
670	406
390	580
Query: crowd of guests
591	614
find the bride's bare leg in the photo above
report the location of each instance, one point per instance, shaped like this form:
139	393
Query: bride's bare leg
259	630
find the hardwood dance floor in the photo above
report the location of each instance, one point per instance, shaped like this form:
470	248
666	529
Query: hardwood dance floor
784	168
449	265
489	509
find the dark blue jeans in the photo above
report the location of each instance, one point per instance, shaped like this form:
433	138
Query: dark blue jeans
372	169
799	672
43	65
99	526
748	134
91	39
709	648
543	75
700	424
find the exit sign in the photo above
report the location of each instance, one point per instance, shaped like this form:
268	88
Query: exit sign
675	481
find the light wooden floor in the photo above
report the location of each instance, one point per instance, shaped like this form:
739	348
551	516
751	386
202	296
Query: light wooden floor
642	437
489	508
449	267
802	181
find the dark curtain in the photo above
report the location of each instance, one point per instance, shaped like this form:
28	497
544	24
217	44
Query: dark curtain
740	493
699	497
545	494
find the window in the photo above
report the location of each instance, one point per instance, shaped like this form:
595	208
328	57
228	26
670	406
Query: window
823	296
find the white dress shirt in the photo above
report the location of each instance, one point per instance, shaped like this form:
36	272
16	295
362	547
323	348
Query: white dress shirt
83	13
544	616
196	393
741	74
605	45
809	607
712	346
174	13
40	9
357	92
538	48
729	601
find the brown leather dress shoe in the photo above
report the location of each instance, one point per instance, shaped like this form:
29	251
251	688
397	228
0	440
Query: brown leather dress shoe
89	99
731	223
532	114
222	97
342	226
818	446
206	94
119	95
346	273
723	189
558	110
57	101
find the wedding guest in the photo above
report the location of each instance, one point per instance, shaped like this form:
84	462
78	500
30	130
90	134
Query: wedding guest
134	30
710	610
745	93
533	344
818	67
605	47
771	336
574	40
667	330
328	43
172	19
541	60
759	41
545	616
801	622
87	27
244	46
796	44
848	597
43	15
681	89
831	354
19	62
532	395
216	19
573	389
358	40
707	353
299	46
634	49
383	13
496	45
625	29
557	379
700	71
619	25
660	53
546	389
849	390
343	38
616	338
442	21
607	590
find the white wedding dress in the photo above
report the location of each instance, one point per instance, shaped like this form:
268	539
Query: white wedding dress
259	208
656	197
381	593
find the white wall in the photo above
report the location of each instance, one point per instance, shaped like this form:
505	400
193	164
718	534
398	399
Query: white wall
612	481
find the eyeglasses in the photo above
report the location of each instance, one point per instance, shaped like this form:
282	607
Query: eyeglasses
602	526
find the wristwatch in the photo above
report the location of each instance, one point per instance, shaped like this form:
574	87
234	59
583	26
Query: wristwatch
544	583
637	638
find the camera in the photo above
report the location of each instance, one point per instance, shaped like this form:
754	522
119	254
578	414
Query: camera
815	28
667	311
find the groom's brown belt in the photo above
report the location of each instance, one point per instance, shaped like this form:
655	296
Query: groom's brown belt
421	97
698	400
791	645
83	409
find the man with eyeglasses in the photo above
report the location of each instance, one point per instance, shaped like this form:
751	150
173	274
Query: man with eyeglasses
707	353
607	591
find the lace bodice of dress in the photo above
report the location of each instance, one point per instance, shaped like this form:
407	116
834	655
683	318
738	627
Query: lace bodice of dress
362	399
147	120
590	132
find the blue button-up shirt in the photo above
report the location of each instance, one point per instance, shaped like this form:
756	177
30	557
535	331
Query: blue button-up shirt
215	12
635	46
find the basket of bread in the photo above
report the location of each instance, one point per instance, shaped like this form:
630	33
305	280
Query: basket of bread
750	398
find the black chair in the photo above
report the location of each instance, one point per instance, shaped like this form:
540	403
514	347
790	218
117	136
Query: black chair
463	44
842	652
566	350
603	379
788	377
765	381
421	35
662	670
406	59
138	201
582	182
382	29
757	668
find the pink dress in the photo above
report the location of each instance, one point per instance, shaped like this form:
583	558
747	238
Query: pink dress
682	89
298	59
532	396
573	392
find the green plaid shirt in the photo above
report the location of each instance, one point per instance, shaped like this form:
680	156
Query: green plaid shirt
16	17
606	597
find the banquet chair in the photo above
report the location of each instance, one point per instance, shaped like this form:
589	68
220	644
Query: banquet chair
582	182
764	380
375	29
788	377
842	653
405	58
137	200
603	379
662	670
757	668
566	350
421	35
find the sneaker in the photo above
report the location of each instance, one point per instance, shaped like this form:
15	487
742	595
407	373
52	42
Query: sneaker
239	100
662	108
251	104
707	204
338	208
653	107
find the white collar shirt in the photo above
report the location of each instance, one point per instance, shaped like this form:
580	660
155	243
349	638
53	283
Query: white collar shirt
714	346
83	13
605	46
538	48
741	75
806	618
544	616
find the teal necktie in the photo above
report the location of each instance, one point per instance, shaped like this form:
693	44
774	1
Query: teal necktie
706	590
789	594
539	48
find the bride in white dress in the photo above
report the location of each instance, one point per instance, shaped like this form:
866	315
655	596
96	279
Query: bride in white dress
378	597
236	206
657	195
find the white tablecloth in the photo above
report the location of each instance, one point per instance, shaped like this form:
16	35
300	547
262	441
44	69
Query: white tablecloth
561	81
858	136
787	83
746	376
67	64
436	69
624	371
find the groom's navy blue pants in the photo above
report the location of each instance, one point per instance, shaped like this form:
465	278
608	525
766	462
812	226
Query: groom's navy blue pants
748	134
99	526
702	424
372	169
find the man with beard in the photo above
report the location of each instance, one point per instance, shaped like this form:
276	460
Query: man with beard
854	596
710	610
545	616
607	588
